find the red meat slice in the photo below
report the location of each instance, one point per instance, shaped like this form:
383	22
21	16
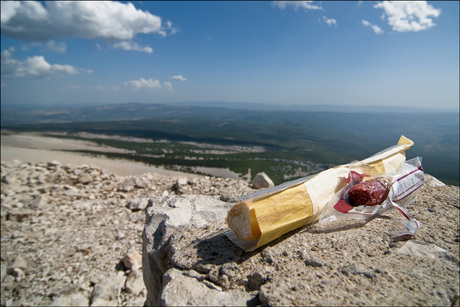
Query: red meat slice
369	193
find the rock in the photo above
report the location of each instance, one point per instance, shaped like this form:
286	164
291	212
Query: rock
431	181
120	235
132	260
84	178
136	204
164	216
135	302
181	186
19	215
107	291
64	248
421	249
6	179
182	290
20	263
126	186
181	182
75	299
134	282
16	272
141	184
189	260
262	181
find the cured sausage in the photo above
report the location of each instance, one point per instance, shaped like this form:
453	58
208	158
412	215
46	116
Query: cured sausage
369	193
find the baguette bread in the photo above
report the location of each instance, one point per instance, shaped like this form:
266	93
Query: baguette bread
294	204
242	220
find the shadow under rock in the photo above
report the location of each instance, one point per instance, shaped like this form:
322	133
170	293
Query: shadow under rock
217	249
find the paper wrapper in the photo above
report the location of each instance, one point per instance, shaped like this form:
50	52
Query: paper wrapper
297	203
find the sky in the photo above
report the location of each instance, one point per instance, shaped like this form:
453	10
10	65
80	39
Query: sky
289	53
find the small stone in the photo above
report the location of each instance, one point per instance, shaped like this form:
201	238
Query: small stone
120	236
316	263
84	178
16	272
20	263
139	183
75	299
6	179
262	181
135	283
132	260
136	204
107	291
19	215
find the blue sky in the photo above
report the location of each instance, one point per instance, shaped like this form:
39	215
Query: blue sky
304	52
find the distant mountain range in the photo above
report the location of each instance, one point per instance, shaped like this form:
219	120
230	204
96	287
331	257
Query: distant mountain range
28	114
323	134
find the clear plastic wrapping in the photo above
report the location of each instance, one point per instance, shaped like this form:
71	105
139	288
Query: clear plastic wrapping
380	193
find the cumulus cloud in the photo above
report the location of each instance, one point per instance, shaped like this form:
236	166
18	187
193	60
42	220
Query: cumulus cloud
132	46
51	45
376	28
168	27
178	78
107	20
404	16
35	66
330	21
307	5
149	84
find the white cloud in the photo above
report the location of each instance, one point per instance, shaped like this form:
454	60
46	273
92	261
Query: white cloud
330	21
307	5
376	28
168	27
178	78
168	86
150	84
103	88
35	66
406	16
59	47
132	46
51	45
106	20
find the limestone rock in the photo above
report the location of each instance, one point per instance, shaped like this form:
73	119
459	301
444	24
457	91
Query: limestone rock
164	215
84	178
107	291
181	290
20	263
136	204
75	299
262	181
189	260
132	260
431	181
134	282
59	245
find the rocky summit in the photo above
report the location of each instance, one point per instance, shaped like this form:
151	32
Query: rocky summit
72	234
188	259
78	235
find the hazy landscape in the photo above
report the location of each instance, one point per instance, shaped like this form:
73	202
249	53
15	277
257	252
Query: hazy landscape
284	143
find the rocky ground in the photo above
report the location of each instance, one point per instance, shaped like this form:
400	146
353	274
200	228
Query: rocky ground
188	259
71	234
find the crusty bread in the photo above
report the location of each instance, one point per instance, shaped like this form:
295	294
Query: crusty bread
242	220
